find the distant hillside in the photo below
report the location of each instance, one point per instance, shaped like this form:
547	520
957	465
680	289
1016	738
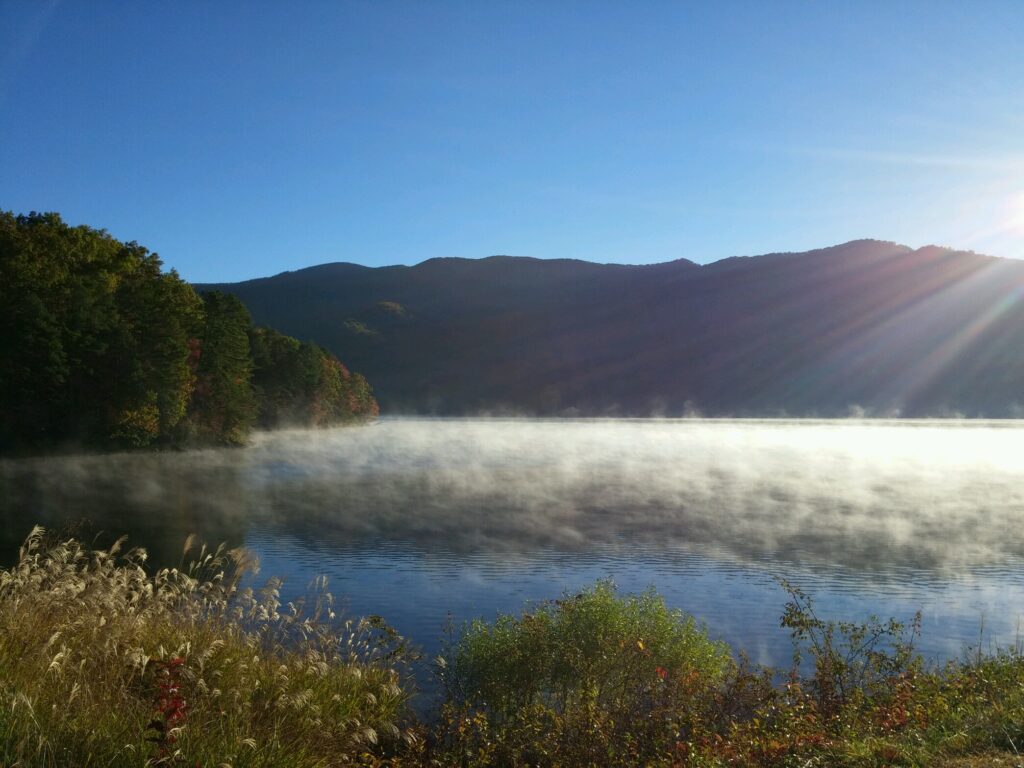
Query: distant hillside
867	326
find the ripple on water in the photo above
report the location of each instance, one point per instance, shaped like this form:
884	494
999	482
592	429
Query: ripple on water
419	520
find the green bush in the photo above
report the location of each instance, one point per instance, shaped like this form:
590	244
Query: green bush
591	678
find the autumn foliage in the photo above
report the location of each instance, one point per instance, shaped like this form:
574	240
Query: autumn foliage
103	349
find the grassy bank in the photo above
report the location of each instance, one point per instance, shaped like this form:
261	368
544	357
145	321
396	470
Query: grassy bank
105	663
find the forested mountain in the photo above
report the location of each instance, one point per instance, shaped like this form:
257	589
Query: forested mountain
867	326
101	348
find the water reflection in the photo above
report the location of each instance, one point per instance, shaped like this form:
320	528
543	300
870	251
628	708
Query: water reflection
417	517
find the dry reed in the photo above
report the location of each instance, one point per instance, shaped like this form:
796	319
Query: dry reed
104	663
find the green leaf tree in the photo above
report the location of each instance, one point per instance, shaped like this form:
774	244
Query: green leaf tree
224	403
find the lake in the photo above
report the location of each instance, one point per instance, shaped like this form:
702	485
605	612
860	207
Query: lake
419	520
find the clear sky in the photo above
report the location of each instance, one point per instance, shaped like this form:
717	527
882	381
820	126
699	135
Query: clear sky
243	139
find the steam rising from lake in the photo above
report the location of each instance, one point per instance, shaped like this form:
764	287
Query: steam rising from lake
863	495
416	518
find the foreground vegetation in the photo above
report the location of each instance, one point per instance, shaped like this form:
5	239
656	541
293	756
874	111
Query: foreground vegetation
102	663
103	349
105	663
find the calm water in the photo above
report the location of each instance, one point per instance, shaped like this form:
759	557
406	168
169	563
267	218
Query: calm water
418	519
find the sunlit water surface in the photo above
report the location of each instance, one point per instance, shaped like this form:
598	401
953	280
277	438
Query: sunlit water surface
420	520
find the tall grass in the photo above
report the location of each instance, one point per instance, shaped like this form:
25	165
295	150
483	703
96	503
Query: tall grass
105	663
102	663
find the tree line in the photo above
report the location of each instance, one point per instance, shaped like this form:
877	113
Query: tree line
103	349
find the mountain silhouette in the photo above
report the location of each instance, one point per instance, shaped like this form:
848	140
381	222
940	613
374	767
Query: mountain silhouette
867	327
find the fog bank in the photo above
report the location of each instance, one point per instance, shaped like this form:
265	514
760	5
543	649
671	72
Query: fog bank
866	495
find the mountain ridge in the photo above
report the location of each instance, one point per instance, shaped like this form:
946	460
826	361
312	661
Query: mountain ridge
868	325
504	256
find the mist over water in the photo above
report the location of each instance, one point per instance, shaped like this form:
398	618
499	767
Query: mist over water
413	518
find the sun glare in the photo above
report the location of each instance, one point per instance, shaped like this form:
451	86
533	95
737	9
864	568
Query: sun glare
1015	214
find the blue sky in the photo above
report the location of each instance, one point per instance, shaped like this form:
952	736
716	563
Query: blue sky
244	139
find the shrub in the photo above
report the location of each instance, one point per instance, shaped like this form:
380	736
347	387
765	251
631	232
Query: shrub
852	661
594	678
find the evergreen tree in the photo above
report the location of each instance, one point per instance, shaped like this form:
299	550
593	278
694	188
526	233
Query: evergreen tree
224	403
302	384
